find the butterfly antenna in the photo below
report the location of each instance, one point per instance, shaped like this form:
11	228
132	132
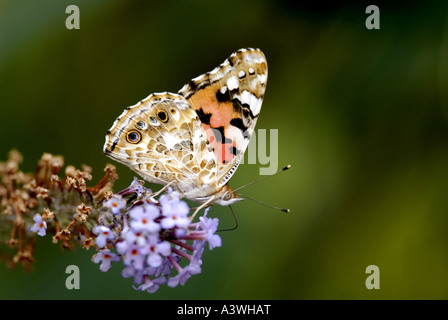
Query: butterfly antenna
236	222
261	179
265	204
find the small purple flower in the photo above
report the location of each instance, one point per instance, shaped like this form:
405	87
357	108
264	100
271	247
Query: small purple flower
130	237
130	271
115	204
151	286
122	244
171	204
175	212
175	220
184	274
198	249
39	225
103	234
157	249
143	218
165	268
135	256
105	257
136	187
210	225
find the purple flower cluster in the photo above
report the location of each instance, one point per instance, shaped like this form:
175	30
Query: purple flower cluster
155	239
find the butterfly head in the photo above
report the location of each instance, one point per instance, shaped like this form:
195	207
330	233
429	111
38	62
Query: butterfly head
226	196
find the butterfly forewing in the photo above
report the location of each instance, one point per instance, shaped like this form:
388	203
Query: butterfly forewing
172	143
228	101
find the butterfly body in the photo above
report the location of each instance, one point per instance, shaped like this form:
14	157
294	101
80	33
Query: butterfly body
197	137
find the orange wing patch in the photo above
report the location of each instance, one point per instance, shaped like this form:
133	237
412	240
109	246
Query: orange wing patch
221	112
216	117
227	101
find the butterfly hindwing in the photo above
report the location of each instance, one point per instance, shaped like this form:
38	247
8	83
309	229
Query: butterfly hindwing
227	101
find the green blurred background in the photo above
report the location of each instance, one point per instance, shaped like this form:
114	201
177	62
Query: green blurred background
361	116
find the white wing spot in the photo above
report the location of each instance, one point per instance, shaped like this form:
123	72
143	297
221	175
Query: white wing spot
253	102
232	83
241	74
223	89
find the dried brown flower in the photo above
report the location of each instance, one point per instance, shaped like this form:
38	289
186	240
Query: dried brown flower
89	242
47	214
82	212
61	201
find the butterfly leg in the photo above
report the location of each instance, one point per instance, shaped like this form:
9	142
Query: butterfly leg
204	205
178	188
164	188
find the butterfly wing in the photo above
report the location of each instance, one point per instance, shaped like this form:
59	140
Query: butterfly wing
227	101
162	139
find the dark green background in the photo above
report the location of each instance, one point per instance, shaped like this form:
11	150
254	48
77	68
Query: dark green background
361	116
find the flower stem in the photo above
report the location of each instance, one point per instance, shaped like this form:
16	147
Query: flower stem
180	253
181	244
175	264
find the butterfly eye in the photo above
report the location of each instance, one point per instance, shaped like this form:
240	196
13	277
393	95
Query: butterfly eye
134	136
162	116
141	125
227	196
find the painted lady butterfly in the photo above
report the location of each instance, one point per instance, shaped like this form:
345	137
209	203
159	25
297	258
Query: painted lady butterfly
194	140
